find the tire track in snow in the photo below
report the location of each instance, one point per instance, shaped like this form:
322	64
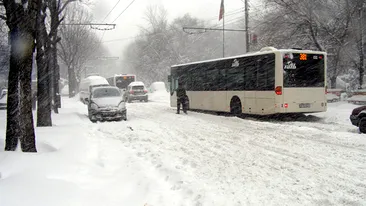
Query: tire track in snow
240	159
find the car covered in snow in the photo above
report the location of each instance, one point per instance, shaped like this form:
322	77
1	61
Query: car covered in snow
358	118
3	98
137	91
106	103
332	97
157	87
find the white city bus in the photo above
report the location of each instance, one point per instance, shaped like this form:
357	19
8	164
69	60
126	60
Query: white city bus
271	81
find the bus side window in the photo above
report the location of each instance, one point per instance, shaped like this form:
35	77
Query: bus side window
197	79
212	79
265	68
250	74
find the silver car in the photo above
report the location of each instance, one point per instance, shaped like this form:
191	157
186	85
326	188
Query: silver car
106	103
137	91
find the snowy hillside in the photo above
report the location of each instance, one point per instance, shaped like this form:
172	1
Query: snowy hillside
160	158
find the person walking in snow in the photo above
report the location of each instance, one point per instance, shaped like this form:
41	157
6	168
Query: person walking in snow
181	98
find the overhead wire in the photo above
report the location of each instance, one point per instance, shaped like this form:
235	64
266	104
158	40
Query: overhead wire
111	11
123	11
115	5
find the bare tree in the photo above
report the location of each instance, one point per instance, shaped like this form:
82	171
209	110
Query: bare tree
78	45
321	25
47	66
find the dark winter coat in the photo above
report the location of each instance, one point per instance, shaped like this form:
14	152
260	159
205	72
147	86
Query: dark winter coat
181	92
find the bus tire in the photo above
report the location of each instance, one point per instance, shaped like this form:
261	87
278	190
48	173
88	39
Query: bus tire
235	106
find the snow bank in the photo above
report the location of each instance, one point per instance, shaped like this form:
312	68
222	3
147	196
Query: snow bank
361	98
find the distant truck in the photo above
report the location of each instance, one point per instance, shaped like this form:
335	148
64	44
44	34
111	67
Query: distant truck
88	83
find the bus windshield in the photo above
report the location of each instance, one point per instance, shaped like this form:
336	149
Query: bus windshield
303	70
123	81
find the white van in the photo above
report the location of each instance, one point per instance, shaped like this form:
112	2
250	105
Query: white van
88	83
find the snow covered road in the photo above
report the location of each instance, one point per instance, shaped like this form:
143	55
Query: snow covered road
161	158
217	160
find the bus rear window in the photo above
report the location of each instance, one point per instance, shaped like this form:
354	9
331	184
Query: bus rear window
124	81
303	70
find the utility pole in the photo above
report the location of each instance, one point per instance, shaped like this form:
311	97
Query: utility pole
247	26
362	52
214	29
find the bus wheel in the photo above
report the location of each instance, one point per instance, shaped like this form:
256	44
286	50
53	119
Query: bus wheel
235	106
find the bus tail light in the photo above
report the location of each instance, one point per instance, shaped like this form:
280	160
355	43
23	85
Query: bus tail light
278	90
286	105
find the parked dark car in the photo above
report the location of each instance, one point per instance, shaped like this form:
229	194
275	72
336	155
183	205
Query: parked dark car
106	103
358	118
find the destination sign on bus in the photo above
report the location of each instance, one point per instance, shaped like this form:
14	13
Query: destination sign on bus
303	57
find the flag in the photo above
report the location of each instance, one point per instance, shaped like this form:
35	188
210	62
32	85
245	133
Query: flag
222	10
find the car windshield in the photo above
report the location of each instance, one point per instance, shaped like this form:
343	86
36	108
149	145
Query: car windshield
106	92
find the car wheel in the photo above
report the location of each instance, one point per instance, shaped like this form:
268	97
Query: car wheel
146	100
362	125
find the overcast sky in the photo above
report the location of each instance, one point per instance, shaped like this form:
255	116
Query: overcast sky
128	23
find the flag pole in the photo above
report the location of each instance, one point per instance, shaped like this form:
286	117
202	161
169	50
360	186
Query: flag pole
223	35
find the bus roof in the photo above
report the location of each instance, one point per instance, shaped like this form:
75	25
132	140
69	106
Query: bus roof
121	75
266	50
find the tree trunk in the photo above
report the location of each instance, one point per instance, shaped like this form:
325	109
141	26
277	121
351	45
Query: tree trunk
12	124
333	82
21	21
28	139
56	79
55	23
44	118
361	72
72	81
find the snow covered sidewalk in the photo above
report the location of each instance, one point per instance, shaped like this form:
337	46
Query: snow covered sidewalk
77	165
